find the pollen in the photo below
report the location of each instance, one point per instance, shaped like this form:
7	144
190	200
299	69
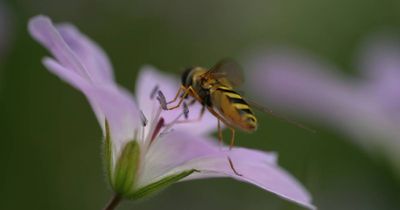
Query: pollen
162	100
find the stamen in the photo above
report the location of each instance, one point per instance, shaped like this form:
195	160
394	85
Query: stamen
232	167
157	129
165	132
143	118
192	102
170	124
162	100
185	110
154	91
155	117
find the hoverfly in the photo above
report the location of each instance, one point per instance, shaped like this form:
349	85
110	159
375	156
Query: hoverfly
214	89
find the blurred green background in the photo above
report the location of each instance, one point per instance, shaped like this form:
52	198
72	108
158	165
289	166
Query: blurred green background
50	151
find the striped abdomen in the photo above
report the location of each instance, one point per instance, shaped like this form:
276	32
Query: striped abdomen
233	108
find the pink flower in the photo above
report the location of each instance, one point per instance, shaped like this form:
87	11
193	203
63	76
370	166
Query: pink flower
366	107
145	150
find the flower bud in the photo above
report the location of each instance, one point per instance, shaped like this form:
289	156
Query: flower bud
126	169
122	172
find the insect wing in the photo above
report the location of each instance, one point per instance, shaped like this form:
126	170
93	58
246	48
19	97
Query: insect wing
227	70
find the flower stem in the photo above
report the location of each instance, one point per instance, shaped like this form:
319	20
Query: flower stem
113	203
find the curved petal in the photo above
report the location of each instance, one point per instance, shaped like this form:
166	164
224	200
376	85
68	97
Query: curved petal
82	64
148	79
108	102
163	157
256	167
72	49
43	30
89	54
267	176
170	151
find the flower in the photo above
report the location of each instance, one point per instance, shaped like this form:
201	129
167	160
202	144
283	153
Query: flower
365	108
145	148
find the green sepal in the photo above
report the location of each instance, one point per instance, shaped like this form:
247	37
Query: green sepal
159	185
108	153
126	169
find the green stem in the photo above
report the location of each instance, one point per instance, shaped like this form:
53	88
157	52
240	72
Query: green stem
113	203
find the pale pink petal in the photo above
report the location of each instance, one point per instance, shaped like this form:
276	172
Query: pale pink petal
170	151
269	177
82	64
43	30
148	79
162	156
256	167
92	57
108	102
76	81
119	109
72	49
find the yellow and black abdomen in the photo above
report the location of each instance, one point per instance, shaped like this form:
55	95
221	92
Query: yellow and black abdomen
233	108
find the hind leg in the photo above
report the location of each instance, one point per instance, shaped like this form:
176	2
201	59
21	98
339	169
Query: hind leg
232	138
220	136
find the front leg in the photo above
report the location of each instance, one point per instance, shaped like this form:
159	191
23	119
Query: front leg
181	88
188	91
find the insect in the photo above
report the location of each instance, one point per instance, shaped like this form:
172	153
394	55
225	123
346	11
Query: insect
214	89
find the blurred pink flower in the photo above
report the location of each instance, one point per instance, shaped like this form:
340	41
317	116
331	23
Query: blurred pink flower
366	107
143	153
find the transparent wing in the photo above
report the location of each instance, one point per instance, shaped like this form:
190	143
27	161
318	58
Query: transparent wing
227	70
270	112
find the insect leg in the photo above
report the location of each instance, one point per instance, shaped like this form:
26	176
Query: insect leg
233	167
187	91
220	137
232	138
177	95
220	119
